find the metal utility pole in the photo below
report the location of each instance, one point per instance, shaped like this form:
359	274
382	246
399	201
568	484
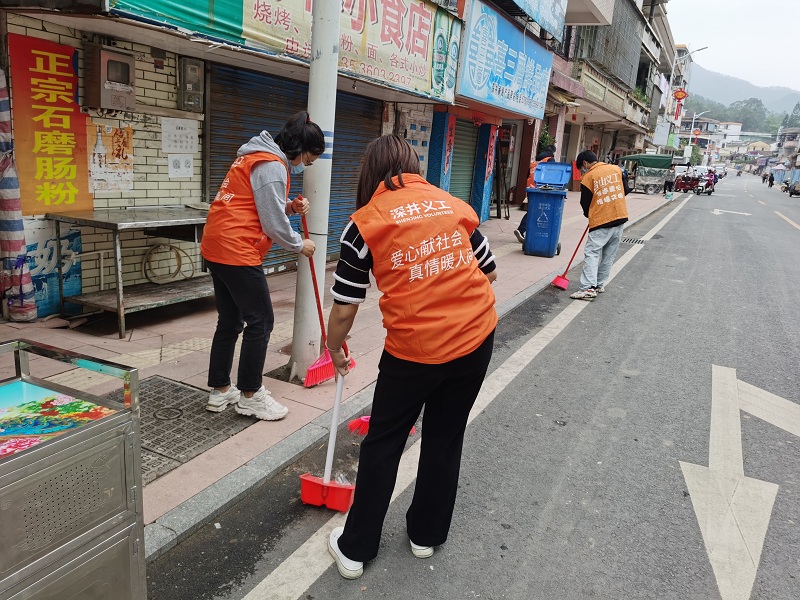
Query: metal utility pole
306	338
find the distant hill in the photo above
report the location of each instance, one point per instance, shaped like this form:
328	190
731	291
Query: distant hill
726	89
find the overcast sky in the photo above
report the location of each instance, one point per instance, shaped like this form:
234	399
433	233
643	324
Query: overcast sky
756	40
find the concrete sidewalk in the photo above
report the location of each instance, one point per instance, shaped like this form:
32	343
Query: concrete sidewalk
173	343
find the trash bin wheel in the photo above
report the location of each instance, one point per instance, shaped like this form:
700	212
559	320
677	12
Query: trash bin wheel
652	189
558	248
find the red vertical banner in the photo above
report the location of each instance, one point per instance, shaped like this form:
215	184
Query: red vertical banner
49	127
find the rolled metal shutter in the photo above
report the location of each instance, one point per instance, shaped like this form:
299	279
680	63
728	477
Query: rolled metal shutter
358	122
243	103
464	147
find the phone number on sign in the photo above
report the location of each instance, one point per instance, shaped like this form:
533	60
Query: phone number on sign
376	72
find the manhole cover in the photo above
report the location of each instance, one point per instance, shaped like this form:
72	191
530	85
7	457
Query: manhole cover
176	426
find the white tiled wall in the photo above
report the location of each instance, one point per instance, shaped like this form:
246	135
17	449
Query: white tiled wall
156	90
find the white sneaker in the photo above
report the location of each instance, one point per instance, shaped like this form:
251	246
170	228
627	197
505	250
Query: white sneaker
349	569
262	406
421	551
219	401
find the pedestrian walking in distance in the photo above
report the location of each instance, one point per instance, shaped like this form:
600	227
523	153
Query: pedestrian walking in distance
603	203
249	212
669	180
435	273
771	179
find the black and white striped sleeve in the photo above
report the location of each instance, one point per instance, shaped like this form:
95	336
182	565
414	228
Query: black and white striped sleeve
351	279
483	254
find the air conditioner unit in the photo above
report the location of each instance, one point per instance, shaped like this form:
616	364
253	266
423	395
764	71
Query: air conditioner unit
191	84
109	79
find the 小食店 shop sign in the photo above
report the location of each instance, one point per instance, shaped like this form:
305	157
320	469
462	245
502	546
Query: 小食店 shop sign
500	66
408	45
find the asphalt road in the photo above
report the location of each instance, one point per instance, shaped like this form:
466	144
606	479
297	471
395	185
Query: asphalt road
643	445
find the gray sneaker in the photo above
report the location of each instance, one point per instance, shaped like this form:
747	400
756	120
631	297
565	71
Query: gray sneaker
219	401
262	406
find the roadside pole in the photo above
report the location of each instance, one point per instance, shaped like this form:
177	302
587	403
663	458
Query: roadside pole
306	338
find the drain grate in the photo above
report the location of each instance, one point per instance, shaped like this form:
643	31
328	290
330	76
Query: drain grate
631	241
176	426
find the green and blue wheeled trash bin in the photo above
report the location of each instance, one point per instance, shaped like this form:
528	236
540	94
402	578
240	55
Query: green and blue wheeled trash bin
545	208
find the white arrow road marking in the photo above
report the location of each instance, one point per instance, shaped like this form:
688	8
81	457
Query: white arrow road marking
787	219
717	211
734	510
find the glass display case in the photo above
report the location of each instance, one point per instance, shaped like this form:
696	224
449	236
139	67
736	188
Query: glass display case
71	523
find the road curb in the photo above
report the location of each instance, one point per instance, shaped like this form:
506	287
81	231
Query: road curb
185	519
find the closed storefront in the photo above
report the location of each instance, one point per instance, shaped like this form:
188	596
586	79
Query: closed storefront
243	103
466	141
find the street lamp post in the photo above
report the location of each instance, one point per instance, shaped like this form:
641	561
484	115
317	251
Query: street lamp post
675	62
691	129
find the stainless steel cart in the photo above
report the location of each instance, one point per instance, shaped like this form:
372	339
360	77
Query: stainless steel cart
71	523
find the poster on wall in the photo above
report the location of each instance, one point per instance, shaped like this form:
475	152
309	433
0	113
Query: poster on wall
388	41
41	251
500	66
111	160
49	127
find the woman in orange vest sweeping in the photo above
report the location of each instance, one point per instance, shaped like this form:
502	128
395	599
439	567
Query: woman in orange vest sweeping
435	270
249	212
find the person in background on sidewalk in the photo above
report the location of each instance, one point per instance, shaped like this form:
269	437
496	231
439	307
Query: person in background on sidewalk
548	155
603	203
250	211
669	180
438	310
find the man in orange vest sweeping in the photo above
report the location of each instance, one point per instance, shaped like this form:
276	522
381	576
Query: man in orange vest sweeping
548	154
603	203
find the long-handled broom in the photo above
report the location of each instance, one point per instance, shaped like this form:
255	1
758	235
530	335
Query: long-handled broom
561	281
322	370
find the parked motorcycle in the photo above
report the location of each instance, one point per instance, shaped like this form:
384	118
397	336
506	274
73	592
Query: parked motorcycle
794	189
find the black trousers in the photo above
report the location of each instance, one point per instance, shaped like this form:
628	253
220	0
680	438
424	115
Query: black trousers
447	391
668	185
242	296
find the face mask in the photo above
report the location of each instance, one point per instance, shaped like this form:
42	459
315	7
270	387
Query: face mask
297	169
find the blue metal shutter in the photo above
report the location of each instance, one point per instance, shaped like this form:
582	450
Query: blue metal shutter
464	147
243	103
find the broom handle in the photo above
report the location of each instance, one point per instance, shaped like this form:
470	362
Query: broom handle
569	264
326	478
316	291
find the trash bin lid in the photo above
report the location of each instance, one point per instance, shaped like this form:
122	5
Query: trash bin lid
552	175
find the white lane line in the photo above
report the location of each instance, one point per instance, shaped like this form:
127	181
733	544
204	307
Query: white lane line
306	564
788	220
760	202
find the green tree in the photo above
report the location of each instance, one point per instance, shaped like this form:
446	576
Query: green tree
697	155
774	122
751	113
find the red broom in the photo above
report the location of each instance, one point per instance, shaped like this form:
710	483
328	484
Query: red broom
322	370
360	426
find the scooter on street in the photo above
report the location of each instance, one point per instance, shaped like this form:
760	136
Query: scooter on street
785	185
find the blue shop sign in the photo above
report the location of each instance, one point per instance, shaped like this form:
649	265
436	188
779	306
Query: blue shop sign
502	67
549	14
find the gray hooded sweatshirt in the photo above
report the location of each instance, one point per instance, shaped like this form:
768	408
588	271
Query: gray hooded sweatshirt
268	180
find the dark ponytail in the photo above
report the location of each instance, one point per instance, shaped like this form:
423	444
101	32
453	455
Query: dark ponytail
300	134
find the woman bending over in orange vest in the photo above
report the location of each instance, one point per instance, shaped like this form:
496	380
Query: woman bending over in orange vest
435	270
250	211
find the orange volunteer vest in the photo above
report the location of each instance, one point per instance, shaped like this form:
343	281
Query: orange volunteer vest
531	183
233	234
437	305
608	194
